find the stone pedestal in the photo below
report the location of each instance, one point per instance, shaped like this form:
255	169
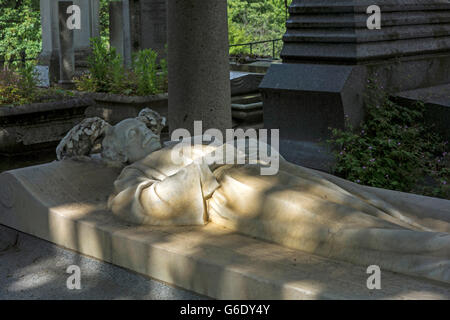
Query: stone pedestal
136	25
66	49
329	54
50	34
199	78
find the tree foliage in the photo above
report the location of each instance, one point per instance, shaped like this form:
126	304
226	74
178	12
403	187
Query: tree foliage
20	29
256	20
248	21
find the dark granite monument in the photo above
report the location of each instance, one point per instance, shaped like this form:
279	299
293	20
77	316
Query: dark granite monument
329	54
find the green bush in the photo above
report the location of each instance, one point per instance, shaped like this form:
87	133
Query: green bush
393	149
18	85
150	79
108	74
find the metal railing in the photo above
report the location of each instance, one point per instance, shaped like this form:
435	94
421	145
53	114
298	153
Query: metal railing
251	44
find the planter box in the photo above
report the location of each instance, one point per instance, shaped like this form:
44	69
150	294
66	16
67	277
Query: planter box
37	126
115	107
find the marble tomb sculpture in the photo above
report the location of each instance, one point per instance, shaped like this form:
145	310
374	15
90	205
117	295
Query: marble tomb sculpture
298	207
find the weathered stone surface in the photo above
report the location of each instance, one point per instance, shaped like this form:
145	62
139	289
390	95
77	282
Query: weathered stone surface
315	28
244	82
137	25
65	203
114	107
46	264
153	25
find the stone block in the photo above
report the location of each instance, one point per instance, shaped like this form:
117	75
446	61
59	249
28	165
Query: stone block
304	100
410	51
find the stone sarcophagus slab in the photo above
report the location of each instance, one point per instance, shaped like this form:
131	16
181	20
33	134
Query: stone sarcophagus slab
64	202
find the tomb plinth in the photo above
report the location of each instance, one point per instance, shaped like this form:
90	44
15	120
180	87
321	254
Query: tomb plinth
329	54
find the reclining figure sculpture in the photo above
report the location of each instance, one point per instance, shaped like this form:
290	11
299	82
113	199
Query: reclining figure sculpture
298	207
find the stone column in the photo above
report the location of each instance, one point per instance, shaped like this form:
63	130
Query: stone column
199	72
120	36
66	50
50	34
329	53
116	26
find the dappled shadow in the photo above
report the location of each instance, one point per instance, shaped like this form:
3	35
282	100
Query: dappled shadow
36	269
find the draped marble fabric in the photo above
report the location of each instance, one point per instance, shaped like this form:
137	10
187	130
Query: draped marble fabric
298	208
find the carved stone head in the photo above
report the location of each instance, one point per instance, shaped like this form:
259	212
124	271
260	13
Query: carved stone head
128	141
